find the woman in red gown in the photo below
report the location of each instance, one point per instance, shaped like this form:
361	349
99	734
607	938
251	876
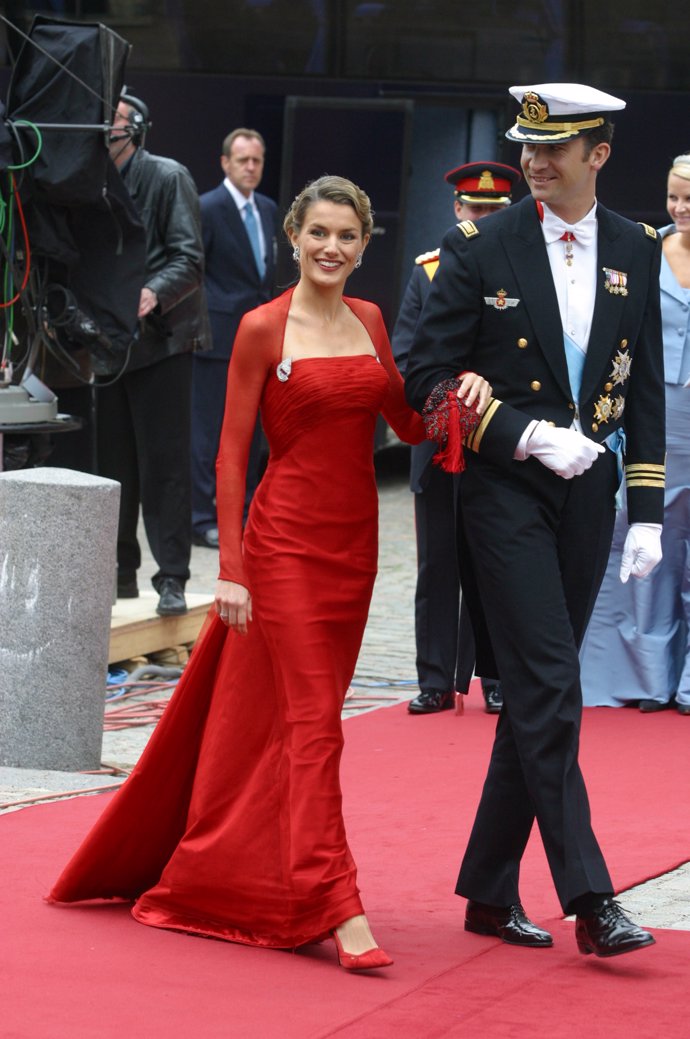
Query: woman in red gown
231	824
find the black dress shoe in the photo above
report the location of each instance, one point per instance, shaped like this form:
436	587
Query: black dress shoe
511	925
652	706
431	701
493	698
127	589
683	708
607	931
172	600
207	539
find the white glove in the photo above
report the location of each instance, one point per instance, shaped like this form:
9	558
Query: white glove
565	451
641	551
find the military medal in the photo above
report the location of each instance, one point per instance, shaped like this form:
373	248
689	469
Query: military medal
568	237
501	300
604	409
615	282
621	367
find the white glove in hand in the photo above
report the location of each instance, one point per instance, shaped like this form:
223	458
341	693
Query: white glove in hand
565	451
641	551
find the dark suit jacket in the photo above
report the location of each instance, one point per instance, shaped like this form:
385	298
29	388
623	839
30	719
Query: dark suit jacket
233	285
519	348
416	292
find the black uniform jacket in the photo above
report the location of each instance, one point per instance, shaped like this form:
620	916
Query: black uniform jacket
493	309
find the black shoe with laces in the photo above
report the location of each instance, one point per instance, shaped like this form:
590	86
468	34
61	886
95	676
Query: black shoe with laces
172	601
493	698
431	701
607	931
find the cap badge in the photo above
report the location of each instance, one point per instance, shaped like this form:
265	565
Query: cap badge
486	182
615	282
622	363
501	300
534	109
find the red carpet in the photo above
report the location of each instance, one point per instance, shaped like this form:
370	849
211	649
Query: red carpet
411	786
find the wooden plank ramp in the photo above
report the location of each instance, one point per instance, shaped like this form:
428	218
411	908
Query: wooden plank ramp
136	629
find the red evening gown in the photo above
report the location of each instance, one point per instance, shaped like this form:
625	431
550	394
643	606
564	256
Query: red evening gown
231	824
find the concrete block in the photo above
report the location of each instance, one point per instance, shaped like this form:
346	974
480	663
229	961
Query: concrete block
58	534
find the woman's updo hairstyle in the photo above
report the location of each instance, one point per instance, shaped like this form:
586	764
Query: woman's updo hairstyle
339	190
681	166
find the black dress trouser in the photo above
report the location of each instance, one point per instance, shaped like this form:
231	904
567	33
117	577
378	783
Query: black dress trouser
143	441
539	546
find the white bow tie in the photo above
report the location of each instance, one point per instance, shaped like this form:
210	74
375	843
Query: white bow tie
584	232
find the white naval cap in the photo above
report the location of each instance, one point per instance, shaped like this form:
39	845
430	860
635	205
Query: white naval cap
559	111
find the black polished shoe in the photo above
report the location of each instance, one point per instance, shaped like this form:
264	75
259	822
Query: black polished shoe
652	706
431	701
683	708
207	539
172	601
128	589
607	931
493	698
511	925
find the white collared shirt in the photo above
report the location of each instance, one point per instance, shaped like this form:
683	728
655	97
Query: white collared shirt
575	284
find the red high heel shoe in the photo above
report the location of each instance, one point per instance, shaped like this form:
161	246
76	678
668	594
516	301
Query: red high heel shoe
369	960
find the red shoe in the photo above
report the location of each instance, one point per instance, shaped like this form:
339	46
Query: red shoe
369	960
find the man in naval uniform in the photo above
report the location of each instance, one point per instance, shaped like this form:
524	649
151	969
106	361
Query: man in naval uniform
556	302
444	642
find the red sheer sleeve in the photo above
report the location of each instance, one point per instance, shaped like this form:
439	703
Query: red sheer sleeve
255	349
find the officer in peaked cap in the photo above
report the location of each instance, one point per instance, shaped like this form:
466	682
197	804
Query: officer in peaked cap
555	301
445	651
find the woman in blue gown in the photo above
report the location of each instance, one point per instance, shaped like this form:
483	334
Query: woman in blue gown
637	646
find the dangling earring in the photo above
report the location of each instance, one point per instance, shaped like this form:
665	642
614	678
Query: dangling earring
358	261
295	254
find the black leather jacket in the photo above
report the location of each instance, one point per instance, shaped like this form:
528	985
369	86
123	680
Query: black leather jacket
167	201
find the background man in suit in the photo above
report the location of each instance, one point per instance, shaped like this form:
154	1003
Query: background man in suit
143	418
445	646
556	302
239	231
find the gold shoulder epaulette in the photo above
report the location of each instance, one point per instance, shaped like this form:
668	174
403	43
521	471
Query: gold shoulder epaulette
468	228
427	257
649	231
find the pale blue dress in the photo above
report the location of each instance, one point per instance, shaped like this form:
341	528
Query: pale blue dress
637	645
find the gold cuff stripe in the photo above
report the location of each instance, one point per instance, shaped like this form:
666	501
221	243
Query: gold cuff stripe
639	482
474	439
587	124
645	467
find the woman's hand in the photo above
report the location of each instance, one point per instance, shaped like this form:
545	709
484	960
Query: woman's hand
473	388
234	605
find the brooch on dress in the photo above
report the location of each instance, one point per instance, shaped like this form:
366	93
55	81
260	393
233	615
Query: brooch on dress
284	368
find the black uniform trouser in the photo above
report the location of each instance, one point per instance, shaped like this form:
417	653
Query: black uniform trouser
143	441
539	547
444	640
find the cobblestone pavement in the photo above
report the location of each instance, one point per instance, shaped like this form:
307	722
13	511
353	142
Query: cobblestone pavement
385	675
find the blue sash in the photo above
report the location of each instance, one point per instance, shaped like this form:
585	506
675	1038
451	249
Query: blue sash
575	359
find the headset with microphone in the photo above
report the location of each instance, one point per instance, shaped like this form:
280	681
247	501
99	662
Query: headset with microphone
139	121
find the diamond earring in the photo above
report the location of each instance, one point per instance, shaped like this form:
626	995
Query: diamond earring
295	254
358	261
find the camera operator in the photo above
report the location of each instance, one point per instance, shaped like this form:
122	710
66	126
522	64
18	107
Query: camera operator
143	418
